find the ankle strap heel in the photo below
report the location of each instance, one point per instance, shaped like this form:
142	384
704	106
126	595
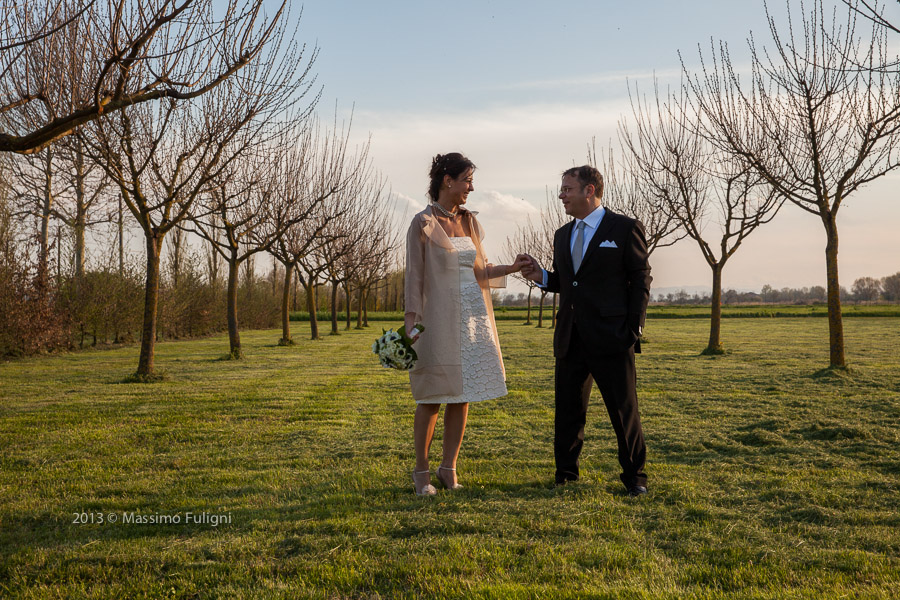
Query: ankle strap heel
450	483
425	488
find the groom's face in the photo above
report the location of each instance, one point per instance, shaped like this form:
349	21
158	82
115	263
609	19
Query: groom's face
577	199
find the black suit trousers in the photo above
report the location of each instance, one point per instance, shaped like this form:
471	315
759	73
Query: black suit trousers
616	378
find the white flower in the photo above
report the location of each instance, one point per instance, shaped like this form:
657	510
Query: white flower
394	351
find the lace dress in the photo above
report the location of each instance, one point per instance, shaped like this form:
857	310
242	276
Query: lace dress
482	377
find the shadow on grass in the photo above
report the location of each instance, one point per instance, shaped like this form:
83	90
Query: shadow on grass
156	377
836	374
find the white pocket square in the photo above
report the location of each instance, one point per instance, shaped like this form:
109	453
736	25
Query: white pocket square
608	244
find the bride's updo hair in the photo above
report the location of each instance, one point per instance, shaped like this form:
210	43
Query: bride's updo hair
452	164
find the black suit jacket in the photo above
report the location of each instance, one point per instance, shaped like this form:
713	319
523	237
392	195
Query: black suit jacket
606	301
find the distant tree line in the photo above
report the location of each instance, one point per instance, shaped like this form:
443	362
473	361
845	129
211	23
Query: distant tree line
864	290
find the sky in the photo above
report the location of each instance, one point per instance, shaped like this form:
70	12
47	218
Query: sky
523	87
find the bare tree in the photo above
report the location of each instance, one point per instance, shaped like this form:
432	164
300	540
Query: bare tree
318	171
88	204
257	204
344	234
67	63
552	217
814	127
370	257
165	155
707	191
527	239
873	12
625	191
38	183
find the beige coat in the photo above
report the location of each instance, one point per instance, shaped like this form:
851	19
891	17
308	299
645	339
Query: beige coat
432	293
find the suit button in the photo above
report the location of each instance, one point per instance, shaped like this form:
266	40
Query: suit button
574	284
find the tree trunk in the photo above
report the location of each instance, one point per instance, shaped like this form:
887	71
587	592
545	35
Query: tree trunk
528	314
835	319
359	307
285	301
121	225
541	309
234	337
362	316
347	293
334	295
274	275
295	294
80	226
151	303
80	217
44	257
715	314
311	308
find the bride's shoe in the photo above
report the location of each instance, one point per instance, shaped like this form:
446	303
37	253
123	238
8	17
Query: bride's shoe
450	483
422	483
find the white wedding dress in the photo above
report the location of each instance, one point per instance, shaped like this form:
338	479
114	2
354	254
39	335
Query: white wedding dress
482	377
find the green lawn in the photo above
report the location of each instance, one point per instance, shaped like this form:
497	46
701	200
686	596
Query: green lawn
767	479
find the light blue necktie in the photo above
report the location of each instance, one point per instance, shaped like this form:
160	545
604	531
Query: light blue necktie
578	250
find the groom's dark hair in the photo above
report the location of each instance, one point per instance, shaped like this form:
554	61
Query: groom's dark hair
587	175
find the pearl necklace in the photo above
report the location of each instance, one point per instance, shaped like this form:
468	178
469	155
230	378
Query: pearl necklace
444	211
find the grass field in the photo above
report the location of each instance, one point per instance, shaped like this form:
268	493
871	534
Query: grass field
768	478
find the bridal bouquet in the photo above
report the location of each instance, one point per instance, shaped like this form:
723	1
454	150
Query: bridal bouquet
394	348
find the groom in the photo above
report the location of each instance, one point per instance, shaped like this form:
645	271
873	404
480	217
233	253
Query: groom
601	273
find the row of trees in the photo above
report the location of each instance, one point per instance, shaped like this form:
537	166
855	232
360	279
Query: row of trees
864	289
816	118
186	122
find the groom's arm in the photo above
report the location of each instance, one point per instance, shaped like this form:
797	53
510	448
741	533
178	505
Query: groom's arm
551	278
637	276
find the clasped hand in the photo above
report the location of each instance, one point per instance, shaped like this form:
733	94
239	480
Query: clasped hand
530	267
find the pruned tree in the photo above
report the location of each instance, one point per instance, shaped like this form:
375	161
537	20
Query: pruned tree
37	184
61	183
552	217
368	261
627	192
240	215
816	128
318	170
874	13
527	239
260	201
120	54
343	234
717	199
165	155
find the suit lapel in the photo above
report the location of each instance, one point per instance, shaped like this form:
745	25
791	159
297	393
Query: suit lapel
599	236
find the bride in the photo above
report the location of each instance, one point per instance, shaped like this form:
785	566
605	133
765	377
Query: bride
448	290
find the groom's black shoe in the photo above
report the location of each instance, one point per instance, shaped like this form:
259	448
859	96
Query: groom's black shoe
560	481
637	490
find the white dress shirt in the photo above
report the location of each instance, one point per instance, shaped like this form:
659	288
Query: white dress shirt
591	222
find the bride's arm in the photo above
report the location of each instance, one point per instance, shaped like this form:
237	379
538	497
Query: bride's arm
414	282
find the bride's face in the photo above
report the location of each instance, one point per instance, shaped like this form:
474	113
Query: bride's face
458	189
